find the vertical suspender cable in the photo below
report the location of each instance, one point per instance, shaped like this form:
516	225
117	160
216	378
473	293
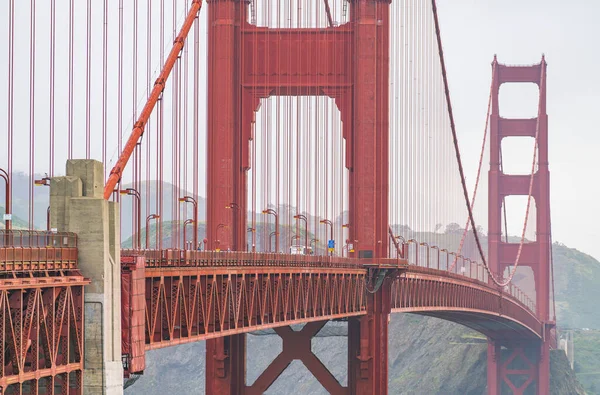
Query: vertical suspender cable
71	114
11	80
52	74
148	126
31	115
154	97
88	60
195	109
104	84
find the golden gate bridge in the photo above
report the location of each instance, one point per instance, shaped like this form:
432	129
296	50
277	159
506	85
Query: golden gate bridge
334	118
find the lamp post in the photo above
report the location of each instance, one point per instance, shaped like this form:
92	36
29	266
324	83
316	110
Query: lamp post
313	241
218	242
274	213
438	255
133	192
7	208
347	226
294	237
270	237
303	218
189	199
236	239
328	222
253	232
45	182
185	224
148	218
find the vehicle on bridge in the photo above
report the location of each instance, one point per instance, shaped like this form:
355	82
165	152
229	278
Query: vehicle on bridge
301	250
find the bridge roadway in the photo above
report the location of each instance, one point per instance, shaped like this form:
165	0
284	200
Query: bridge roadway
192	295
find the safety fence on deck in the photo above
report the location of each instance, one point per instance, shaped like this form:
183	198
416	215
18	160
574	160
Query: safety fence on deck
422	254
412	253
26	250
192	258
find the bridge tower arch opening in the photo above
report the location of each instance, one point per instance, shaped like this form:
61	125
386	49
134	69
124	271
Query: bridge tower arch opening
349	63
297	167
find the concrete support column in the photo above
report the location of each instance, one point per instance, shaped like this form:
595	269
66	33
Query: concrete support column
77	205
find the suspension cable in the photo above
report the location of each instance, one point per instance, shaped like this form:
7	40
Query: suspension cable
485	133
461	170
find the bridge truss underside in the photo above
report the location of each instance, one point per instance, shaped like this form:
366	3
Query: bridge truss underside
186	303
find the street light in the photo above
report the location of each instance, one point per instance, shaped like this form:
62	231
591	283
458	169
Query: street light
303	218
217	241
328	222
185	224
45	182
189	199
136	194
274	213
314	241
270	237
253	232
236	242
295	237
7	208
148	218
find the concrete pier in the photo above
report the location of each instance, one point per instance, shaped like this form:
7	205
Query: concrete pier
77	205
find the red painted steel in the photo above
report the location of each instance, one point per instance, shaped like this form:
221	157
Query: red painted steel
190	304
29	251
468	301
297	346
41	313
515	368
192	295
41	324
133	310
247	63
537	254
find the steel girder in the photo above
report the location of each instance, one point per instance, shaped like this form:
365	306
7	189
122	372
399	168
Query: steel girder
190	304
466	301
41	325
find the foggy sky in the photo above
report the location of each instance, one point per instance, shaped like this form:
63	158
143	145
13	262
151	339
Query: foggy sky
473	31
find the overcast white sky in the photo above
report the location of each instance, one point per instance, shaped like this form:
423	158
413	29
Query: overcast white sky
518	31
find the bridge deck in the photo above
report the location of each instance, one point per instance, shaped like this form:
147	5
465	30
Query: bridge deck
192	295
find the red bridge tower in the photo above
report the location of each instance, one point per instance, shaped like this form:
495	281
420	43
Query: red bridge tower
520	367
248	63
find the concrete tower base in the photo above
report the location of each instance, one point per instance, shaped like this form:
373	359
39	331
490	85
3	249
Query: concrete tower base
77	205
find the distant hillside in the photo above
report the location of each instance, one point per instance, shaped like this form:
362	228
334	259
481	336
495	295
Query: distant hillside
20	201
17	222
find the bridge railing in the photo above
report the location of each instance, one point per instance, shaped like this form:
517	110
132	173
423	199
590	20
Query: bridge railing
432	257
192	258
414	253
31	250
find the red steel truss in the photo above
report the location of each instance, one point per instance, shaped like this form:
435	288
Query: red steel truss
467	301
186	296
41	314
